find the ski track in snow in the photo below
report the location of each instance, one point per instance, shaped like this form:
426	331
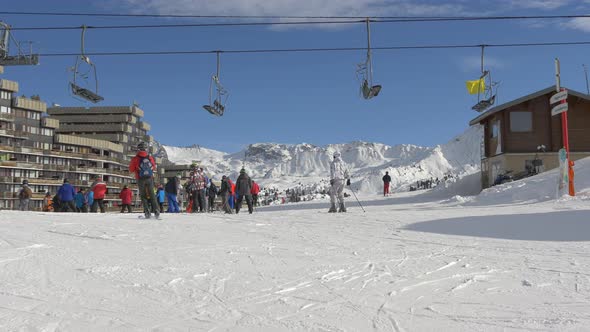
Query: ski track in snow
303	270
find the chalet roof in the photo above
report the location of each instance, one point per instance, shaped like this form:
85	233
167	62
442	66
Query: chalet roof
533	95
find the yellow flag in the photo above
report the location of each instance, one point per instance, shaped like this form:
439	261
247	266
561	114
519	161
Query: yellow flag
475	87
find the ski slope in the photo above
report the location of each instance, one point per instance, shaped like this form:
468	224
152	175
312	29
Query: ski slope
513	258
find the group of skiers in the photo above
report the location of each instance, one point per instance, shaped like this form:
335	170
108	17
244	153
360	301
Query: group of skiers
200	191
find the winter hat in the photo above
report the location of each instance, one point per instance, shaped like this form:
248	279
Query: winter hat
47	194
243	171
25	181
141	146
66	181
224	177
337	154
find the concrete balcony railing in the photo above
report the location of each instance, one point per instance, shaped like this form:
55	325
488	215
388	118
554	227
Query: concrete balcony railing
88	142
94	118
8	85
7	117
29	104
145	126
49	123
14	133
95	110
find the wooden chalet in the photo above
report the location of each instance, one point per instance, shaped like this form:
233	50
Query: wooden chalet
515	133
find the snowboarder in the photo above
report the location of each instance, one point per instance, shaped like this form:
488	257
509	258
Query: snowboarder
126	196
243	189
66	195
24	196
338	176
99	188
144	166
386	182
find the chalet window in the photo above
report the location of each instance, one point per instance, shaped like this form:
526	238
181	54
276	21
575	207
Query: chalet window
495	129
521	122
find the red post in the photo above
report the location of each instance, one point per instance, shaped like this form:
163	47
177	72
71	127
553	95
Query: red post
566	144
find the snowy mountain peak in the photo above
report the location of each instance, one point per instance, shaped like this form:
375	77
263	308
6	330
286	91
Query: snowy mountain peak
287	165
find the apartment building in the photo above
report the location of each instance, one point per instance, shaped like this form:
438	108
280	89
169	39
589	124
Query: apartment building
37	146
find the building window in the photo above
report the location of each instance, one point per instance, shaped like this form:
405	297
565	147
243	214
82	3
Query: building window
495	129
521	122
5	109
5	95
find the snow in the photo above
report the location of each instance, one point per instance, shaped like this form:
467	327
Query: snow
512	258
285	166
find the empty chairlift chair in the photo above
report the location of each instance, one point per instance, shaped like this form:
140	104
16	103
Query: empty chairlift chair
216	104
84	83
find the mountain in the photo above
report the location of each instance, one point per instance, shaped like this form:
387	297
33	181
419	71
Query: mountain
285	166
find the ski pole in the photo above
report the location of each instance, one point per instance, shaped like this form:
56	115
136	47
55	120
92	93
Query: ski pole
357	200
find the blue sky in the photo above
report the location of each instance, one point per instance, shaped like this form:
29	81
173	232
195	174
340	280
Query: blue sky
304	97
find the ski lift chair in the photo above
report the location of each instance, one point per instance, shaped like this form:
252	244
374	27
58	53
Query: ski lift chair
216	106
78	90
370	92
365	71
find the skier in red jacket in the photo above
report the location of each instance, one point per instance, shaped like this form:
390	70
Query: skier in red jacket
99	188
255	190
126	197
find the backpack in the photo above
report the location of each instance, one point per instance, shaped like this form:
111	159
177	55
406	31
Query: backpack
146	170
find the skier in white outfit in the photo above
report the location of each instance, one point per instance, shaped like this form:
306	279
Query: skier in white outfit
338	177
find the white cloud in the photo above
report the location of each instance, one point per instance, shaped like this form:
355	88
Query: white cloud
540	4
472	64
297	7
580	23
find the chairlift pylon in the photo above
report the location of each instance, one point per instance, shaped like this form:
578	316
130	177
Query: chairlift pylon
487	98
365	71
21	58
216	104
89	74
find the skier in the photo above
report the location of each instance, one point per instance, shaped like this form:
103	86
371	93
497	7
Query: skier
47	203
338	174
243	189
99	188
254	192
126	196
81	203
66	195
24	196
161	194
143	165
386	182
172	187
200	181
211	194
224	192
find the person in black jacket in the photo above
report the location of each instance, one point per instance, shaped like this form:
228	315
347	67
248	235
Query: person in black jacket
172	188
243	189
386	182
224	192
211	193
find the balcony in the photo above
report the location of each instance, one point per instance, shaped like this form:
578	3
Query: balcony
29	104
49	123
14	133
145	126
7	117
8	85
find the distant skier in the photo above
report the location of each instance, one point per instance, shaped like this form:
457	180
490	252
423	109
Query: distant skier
81	201
243	189
126	196
66	195
255	191
99	188
386	183
225	192
211	194
144	166
47	203
24	196
172	189
161	195
338	176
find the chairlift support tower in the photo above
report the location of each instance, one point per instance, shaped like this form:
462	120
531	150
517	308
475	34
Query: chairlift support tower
21	58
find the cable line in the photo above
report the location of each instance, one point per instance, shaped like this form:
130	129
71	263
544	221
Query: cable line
403	18
335	49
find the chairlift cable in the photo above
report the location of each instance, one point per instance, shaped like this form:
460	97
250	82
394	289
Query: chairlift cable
402	18
336	49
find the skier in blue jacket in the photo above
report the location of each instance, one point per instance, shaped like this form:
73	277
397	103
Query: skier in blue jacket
66	195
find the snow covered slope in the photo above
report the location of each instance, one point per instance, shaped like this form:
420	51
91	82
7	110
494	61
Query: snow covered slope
510	259
284	166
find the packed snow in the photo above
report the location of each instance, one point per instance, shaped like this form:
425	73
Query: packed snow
512	258
284	166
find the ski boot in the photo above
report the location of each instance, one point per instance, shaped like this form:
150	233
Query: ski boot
332	208
342	208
